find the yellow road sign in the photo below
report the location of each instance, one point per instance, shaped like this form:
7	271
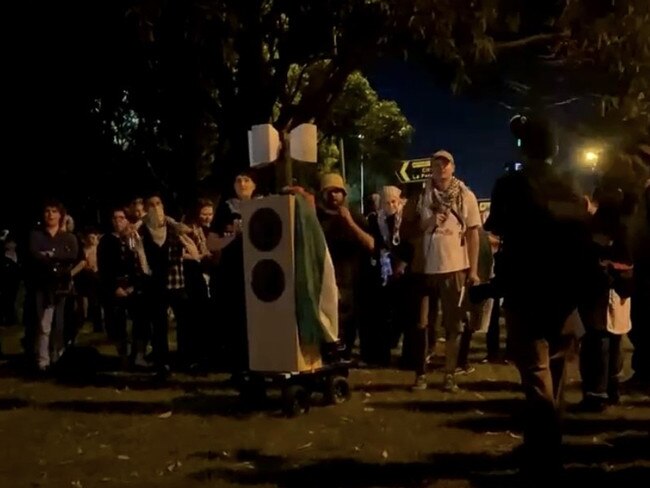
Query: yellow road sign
414	170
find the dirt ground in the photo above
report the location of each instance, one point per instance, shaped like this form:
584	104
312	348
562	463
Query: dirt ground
124	430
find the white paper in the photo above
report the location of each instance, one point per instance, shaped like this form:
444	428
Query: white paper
304	143
264	144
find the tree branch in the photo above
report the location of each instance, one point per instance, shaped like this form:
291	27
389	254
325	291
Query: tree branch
296	88
527	41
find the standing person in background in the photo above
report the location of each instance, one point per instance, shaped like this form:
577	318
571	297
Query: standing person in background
606	310
350	245
478	313
543	225
52	252
227	220
450	220
123	278
10	276
640	334
391	259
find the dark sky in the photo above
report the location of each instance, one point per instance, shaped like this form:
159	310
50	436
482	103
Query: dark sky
474	131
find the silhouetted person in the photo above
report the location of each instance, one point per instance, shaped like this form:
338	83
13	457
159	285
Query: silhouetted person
542	274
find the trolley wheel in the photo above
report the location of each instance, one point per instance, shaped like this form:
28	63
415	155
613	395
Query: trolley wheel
253	393
295	400
337	390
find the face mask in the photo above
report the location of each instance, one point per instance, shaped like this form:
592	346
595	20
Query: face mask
391	209
155	217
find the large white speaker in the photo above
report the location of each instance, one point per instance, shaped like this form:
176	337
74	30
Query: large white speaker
269	270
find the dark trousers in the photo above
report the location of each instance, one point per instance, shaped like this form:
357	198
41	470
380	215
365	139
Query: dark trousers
493	336
201	314
388	312
640	333
600	364
542	366
30	320
116	311
9	285
349	319
160	301
410	315
465	347
87	286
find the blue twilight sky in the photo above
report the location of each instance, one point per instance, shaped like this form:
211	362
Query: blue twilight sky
475	131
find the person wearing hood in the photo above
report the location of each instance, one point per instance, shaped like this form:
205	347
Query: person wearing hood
390	261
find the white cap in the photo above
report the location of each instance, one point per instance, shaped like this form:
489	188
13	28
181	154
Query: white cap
443	155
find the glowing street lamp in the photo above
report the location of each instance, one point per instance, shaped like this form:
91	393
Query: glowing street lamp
590	157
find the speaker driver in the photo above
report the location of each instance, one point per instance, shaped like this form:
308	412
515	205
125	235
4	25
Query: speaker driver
265	229
267	280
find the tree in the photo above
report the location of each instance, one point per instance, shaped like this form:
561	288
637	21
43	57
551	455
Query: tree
199	73
225	64
611	42
372	130
599	58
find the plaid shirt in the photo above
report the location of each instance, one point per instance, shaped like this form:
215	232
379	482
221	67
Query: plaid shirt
175	272
166	261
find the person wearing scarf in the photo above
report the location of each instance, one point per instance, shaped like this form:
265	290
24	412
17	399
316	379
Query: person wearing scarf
166	249
450	220
390	260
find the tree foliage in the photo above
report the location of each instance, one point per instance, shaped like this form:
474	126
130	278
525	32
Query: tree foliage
611	41
216	67
196	74
598	57
372	130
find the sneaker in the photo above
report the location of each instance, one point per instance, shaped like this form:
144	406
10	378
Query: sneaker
465	370
420	383
449	384
491	360
141	362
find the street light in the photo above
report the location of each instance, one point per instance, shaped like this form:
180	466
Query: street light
590	157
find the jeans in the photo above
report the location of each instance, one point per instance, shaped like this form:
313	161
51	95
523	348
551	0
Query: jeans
600	364
49	329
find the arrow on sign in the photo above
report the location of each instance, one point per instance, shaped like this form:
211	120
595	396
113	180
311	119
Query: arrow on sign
484	205
414	170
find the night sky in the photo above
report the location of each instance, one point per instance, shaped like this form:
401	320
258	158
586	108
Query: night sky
475	131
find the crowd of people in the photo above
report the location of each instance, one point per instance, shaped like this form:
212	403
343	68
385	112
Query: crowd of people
570	274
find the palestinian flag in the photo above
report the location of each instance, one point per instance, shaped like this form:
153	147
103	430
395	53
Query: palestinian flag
316	290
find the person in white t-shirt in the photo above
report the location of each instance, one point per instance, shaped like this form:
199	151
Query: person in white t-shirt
450	220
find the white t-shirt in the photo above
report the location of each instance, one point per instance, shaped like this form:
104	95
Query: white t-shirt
444	251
